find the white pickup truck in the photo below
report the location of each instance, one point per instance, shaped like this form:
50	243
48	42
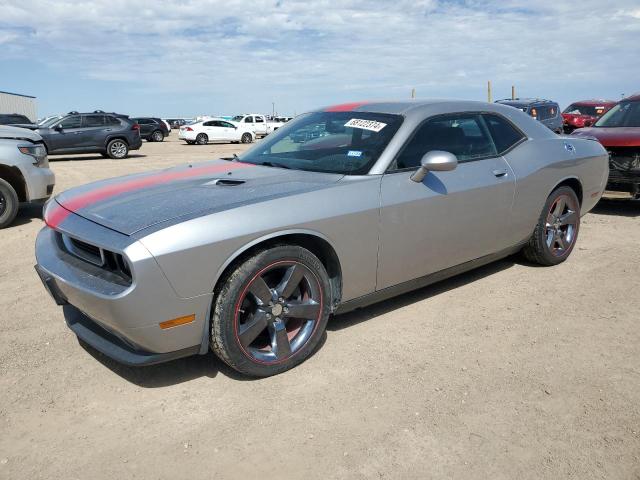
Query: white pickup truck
257	123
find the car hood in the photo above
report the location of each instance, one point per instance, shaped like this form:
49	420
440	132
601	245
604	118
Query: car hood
136	202
16	133
612	137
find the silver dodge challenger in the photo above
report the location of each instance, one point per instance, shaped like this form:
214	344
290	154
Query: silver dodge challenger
340	208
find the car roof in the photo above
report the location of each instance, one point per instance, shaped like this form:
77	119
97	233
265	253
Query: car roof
524	101
594	102
632	98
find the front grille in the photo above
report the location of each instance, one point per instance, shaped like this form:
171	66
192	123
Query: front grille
112	262
624	159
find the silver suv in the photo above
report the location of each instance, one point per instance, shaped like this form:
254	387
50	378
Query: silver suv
24	171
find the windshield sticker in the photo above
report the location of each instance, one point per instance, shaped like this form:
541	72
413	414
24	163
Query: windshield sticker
365	124
354	153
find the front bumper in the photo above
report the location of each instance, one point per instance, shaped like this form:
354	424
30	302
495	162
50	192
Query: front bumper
121	321
40	182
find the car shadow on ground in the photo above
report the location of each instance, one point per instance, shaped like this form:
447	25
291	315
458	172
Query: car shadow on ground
355	317
621	207
197	366
27	213
97	156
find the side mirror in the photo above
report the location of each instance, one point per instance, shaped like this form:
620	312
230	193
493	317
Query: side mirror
58	127
436	161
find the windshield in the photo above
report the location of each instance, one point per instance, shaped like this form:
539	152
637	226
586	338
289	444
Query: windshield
624	114
335	142
47	122
238	118
577	109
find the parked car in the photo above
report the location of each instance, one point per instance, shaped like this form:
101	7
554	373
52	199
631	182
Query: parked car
25	176
546	112
258	124
619	131
250	257
216	130
176	122
584	113
16	120
152	129
110	134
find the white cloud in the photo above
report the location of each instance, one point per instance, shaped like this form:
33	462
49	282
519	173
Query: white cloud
235	53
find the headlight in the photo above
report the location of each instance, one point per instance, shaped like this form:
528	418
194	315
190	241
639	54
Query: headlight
38	152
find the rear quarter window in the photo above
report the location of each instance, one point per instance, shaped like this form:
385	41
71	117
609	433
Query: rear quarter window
505	135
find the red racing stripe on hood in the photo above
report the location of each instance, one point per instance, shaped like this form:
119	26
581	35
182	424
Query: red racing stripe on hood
345	107
56	214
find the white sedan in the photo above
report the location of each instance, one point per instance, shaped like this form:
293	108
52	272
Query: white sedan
215	130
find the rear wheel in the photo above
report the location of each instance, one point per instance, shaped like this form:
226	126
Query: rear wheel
556	233
202	139
117	149
8	204
271	311
157	136
246	138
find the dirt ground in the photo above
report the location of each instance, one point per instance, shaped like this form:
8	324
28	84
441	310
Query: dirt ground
510	371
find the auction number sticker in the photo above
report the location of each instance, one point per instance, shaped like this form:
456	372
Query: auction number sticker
365	124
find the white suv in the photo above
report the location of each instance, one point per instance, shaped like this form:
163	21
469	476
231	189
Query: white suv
24	171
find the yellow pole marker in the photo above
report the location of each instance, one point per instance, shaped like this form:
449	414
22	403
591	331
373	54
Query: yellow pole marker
176	322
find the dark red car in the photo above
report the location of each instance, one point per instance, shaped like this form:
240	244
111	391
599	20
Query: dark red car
584	113
618	131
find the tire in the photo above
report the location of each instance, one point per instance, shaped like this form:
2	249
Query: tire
246	138
117	149
8	204
261	338
557	229
202	139
157	136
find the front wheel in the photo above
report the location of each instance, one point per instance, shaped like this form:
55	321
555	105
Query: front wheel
8	204
117	149
246	138
557	229
271	311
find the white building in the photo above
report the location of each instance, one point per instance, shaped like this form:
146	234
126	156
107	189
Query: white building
16	103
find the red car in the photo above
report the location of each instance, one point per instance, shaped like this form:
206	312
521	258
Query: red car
585	113
618	131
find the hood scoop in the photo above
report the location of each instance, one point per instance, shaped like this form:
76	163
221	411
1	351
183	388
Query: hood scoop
226	182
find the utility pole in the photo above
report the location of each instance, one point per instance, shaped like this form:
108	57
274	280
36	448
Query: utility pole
513	92
413	93
489	91
273	109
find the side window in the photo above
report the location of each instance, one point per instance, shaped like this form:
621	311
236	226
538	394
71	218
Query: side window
259	120
504	134
72	121
93	121
464	135
112	121
227	125
209	124
248	120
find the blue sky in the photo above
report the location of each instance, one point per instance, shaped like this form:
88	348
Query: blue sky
187	58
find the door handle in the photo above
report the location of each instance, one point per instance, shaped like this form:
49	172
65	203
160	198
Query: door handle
500	173
108	129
